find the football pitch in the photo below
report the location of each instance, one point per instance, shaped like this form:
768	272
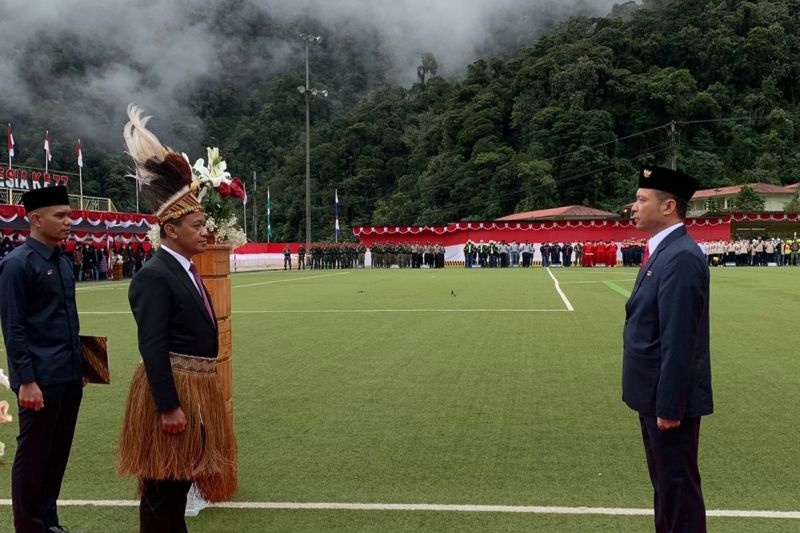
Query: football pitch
491	396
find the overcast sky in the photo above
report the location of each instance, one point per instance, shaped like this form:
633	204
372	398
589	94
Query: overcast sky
150	51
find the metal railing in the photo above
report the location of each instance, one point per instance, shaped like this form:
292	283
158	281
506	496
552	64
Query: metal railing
90	203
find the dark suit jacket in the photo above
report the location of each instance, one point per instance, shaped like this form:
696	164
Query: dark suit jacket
170	317
666	367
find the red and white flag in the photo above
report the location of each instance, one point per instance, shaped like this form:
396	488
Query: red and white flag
80	154
336	199
47	146
10	142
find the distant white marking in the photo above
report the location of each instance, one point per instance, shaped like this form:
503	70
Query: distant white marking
292	279
281	311
560	292
103	287
598	281
529	509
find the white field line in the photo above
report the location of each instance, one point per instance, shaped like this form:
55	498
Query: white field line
436	508
285	280
281	311
310	311
598	281
103	287
560	292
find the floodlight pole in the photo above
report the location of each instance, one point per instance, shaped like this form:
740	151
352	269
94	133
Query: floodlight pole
308	92
308	157
136	186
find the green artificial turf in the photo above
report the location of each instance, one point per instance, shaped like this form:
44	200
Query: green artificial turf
420	393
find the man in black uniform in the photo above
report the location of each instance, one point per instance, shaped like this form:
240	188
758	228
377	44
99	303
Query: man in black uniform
40	329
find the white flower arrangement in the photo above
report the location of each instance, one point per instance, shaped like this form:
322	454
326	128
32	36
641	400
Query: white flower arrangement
5	418
154	235
212	175
226	232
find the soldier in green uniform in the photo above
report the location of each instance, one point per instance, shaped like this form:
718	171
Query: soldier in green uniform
287	257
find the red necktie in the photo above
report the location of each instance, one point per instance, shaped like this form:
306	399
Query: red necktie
646	256
203	296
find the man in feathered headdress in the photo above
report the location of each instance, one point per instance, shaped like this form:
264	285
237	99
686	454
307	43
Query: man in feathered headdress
175	431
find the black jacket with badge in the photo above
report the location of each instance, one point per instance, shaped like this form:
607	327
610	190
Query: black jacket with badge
171	317
39	316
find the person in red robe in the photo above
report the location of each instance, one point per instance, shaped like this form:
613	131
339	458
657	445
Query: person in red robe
588	254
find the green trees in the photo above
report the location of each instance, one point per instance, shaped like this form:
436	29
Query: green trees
748	200
565	121
569	120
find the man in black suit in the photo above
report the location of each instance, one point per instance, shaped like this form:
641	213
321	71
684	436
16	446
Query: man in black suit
666	370
175	429
173	315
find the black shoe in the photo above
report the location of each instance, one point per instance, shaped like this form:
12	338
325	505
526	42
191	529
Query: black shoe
60	529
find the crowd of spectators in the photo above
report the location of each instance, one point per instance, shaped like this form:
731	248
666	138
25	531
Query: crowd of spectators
753	252
93	261
501	254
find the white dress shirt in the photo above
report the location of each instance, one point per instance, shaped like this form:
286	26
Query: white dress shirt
185	263
656	239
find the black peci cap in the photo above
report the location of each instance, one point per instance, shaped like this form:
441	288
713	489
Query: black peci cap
45	197
668	180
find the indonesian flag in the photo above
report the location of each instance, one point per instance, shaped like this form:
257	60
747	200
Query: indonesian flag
47	146
80	154
336	197
269	214
10	142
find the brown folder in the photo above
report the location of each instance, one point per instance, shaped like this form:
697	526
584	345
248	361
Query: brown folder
94	351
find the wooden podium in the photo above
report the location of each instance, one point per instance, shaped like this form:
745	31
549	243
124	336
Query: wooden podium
214	266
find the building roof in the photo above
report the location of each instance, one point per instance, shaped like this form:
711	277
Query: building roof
561	213
794	186
760	188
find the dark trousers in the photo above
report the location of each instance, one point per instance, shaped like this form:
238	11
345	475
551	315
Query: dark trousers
163	506
43	446
672	463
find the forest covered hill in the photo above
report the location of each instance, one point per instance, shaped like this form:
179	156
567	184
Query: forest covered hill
565	120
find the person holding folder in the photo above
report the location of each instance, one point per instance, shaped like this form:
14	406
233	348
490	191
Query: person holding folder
40	328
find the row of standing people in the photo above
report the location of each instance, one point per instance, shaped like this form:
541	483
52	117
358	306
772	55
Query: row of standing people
93	261
501	254
96	263
404	255
754	252
327	256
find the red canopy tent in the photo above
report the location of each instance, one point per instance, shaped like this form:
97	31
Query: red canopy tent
96	227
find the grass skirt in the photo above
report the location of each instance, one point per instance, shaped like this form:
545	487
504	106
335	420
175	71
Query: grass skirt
204	453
